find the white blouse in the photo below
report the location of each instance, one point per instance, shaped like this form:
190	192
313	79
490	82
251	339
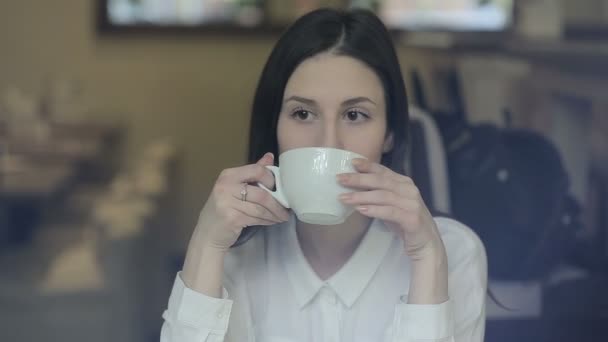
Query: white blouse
271	294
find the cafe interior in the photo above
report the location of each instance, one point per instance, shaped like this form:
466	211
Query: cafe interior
116	116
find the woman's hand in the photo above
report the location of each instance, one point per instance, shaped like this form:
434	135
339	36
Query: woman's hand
395	199
226	213
232	205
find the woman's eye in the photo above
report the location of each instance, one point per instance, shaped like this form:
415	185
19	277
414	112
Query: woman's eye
355	115
301	114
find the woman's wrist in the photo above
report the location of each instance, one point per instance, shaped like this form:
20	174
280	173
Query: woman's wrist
203	270
429	279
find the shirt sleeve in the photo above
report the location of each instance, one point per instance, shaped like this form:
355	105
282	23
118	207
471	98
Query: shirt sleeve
414	322
193	316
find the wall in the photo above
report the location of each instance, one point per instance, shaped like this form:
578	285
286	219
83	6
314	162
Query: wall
585	11
195	89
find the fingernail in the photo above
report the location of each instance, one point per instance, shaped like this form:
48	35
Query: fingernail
357	162
345	197
269	155
362	209
342	178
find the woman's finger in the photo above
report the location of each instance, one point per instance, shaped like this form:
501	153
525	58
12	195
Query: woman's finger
260	196
268	178
252	173
256	212
364	181
367	166
380	197
409	221
382	212
248	221
374	181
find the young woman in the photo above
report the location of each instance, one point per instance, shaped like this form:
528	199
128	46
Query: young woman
391	272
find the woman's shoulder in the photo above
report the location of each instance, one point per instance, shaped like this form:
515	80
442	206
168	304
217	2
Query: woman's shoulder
462	244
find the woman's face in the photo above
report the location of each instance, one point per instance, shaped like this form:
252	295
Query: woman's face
334	101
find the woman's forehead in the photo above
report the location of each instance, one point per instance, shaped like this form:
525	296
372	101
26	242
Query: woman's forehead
336	76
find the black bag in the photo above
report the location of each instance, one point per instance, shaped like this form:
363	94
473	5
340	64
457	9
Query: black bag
511	187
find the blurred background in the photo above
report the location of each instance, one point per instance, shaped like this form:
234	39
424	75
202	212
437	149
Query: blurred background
116	117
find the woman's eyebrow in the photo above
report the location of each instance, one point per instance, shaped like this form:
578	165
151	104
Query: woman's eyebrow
304	100
357	100
311	102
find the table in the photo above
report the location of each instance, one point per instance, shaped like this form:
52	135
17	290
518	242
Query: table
35	173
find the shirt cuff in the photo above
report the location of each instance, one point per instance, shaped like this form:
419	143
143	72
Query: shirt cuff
198	310
424	322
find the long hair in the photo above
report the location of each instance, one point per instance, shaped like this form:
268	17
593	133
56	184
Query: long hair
356	33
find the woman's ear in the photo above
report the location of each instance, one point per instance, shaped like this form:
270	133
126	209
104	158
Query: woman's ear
388	143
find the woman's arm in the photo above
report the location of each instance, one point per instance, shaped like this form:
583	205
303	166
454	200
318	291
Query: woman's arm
196	310
462	317
203	268
199	308
429	278
429	313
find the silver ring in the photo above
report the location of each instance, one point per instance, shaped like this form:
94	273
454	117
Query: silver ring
244	193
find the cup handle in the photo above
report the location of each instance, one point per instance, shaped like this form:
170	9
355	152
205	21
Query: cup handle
278	194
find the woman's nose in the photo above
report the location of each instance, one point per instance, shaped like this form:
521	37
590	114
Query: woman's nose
331	136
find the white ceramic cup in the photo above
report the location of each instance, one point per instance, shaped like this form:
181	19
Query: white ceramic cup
306	182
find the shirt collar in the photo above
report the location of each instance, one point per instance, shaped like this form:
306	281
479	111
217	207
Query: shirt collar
351	280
